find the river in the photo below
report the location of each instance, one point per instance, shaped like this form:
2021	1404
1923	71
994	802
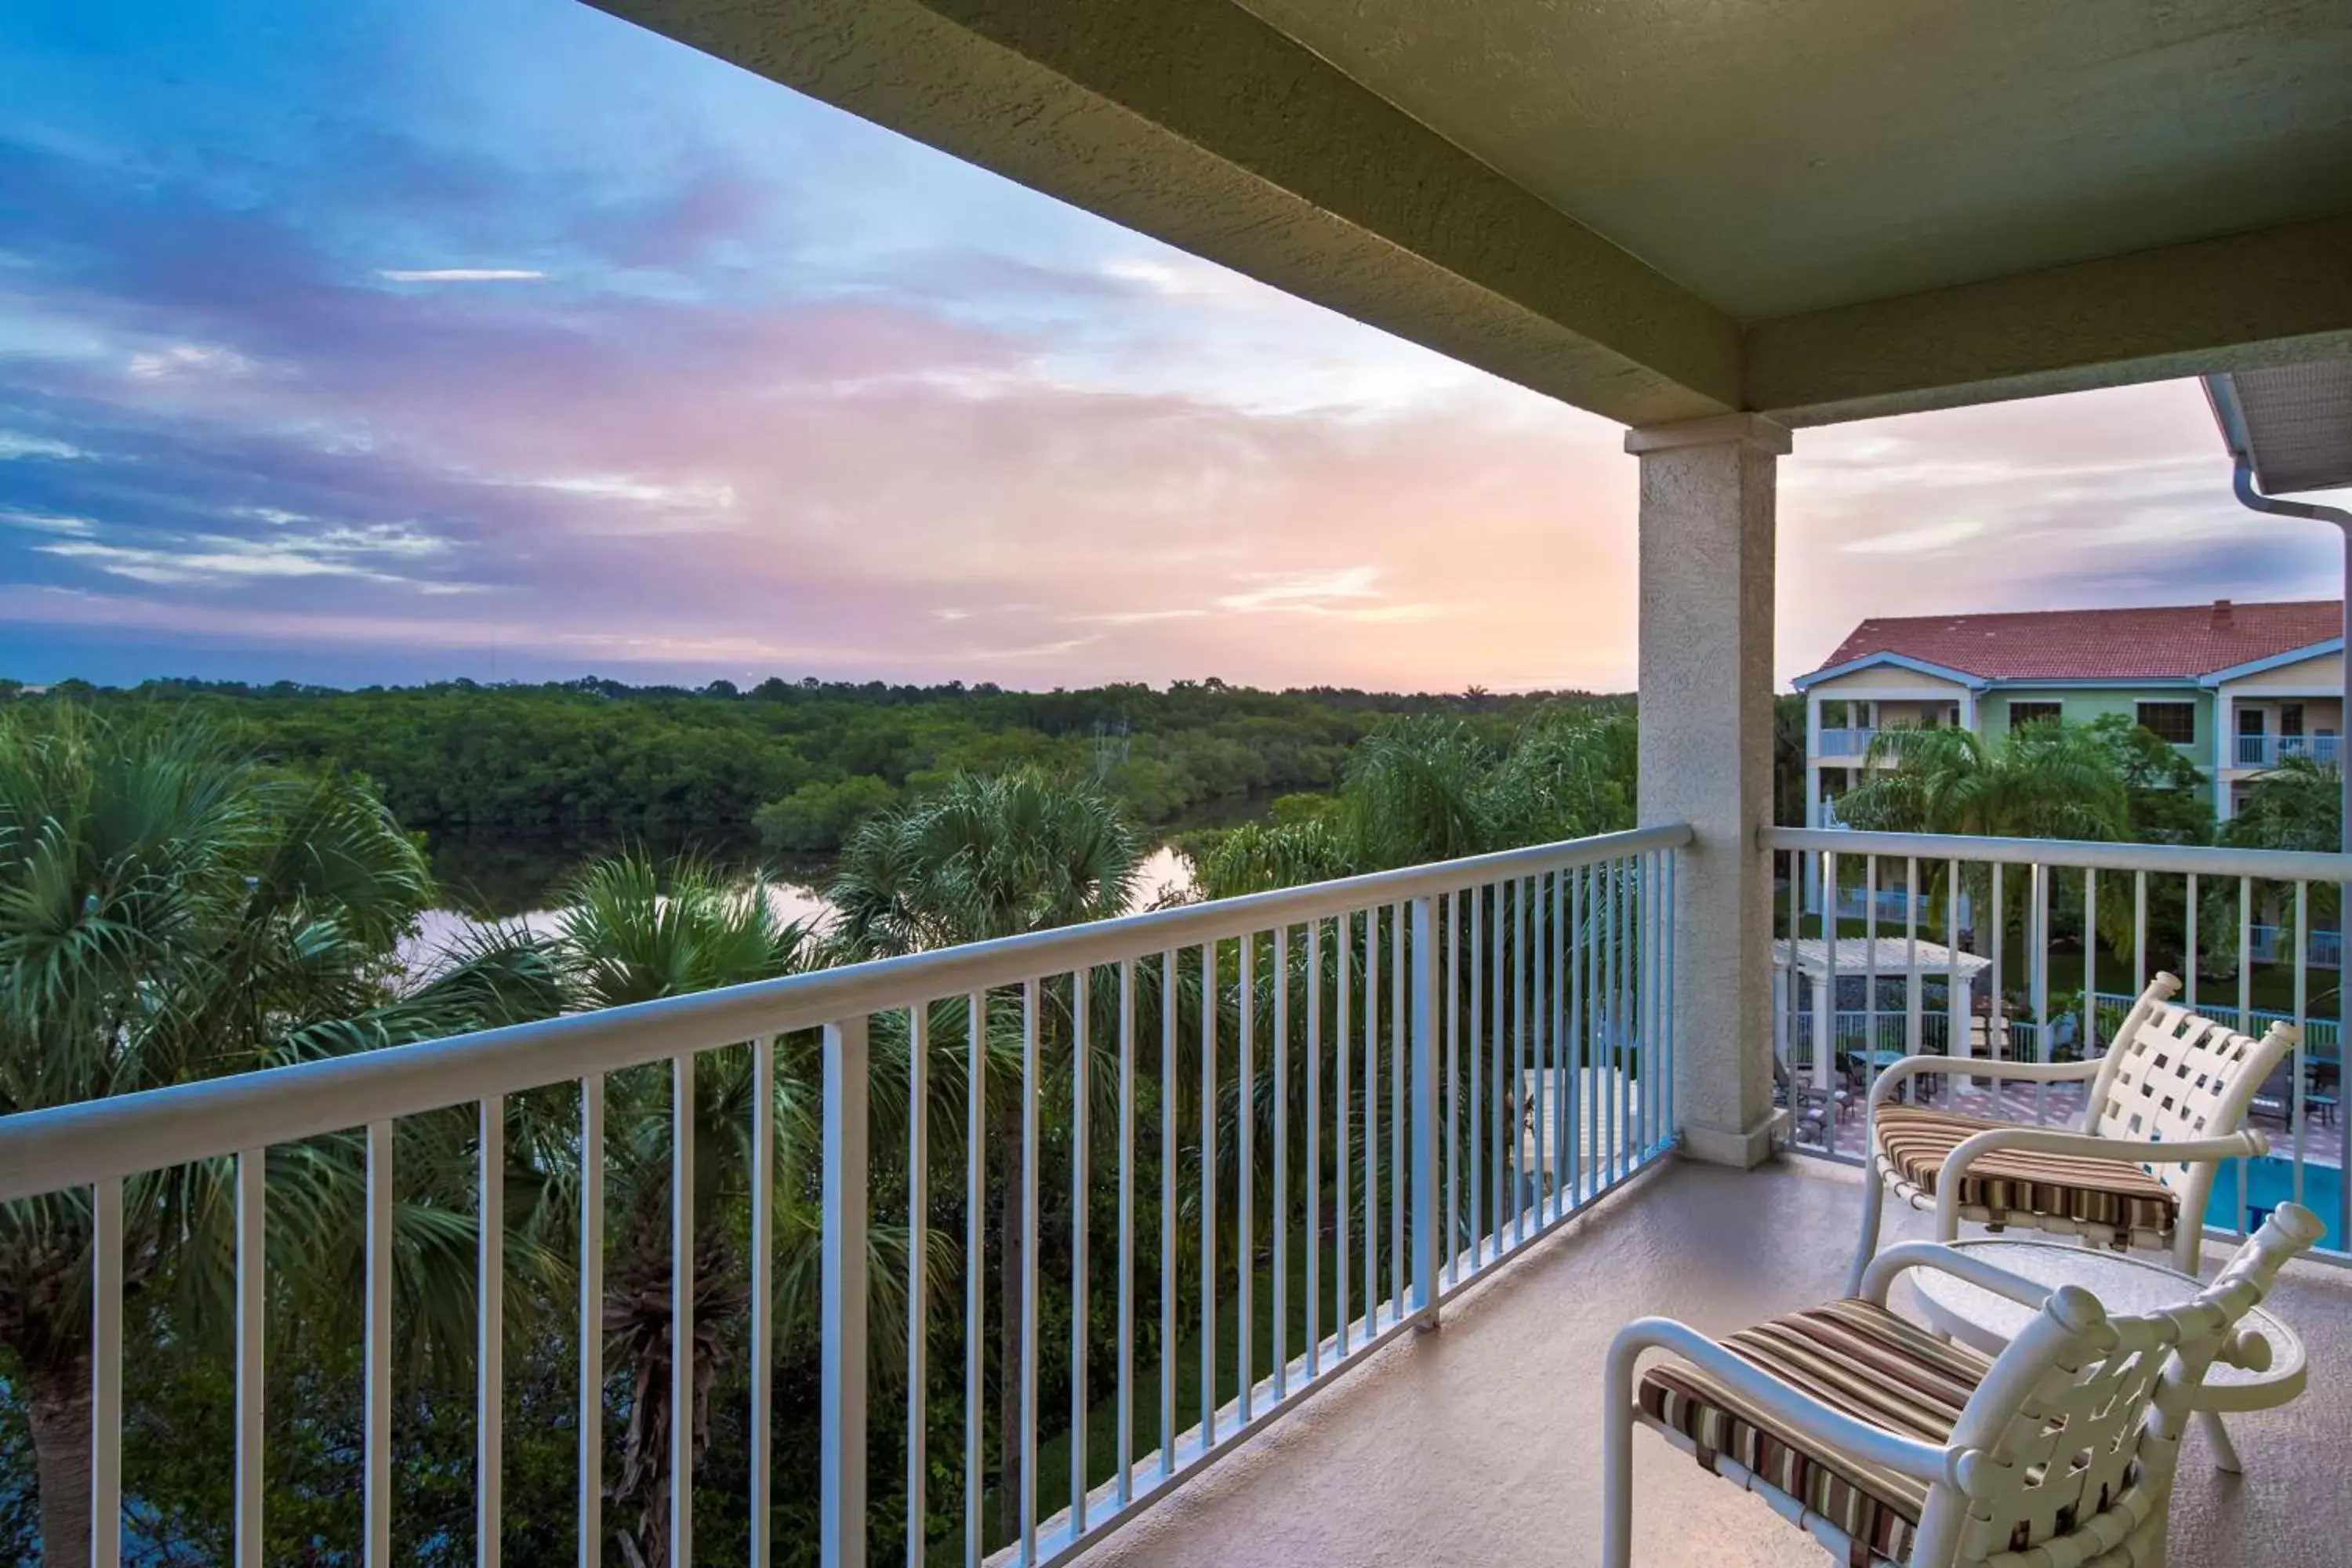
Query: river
515	881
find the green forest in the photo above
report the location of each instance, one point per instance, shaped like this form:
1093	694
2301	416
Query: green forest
803	762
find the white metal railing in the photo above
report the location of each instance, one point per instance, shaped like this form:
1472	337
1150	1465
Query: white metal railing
1340	1103
1845	743
2031	899
2267	751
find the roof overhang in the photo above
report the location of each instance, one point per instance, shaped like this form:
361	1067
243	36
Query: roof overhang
1816	211
2291	422
2276	661
1892	661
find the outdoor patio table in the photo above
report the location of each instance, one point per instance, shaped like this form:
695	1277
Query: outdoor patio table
2264	1368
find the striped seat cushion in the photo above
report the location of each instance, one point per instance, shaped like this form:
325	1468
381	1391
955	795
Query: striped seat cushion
1854	1357
2020	1186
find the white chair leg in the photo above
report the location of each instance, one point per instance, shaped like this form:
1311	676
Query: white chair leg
1617	1453
1873	1201
2225	1452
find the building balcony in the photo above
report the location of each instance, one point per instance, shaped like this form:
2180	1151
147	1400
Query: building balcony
1843	743
2269	751
1296	1226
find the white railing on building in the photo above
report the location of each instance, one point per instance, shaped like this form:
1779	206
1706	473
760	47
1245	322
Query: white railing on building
2322	949
1406	1078
2032	896
1845	743
2268	751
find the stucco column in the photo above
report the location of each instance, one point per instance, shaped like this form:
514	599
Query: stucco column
1705	693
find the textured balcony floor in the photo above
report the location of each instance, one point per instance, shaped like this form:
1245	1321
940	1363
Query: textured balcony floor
1479	1445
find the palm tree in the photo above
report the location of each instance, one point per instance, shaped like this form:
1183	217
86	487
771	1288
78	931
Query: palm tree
623	936
988	857
2047	780
171	910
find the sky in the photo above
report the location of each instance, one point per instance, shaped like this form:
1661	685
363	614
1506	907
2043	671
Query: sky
396	342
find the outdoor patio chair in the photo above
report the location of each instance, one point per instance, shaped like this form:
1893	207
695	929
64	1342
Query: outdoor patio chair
2167	1104
1894	1448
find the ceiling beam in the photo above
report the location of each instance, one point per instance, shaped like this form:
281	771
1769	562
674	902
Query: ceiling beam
1196	122
2278	296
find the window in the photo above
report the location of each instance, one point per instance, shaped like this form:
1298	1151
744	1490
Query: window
2031	712
2173	721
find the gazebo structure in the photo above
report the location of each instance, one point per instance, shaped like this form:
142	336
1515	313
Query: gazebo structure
1873	961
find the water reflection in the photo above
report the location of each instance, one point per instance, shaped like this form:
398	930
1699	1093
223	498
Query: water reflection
795	894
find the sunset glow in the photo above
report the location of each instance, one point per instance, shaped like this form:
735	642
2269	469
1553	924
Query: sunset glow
397	341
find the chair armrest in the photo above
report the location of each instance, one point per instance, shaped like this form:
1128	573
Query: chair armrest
1885	1268
1980	1067
2242	1145
1782	1401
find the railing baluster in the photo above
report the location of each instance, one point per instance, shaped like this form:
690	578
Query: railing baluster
2090	1025
1912	1019
2041	954
918	1229
1279	1208
1423	951
2302	1024
2189	965
1344	1147
1168	1213
764	1286
1956	1023
489	1380
252	1293
1032	1133
1869	1052
1580	1032
1519	1100
106	1370
590	1483
1371	1121
1998	1024
2246	1014
1313	1235
1244	1155
1477	962
682	1271
975	1250
1398	1197
1826	1068
842	1300
1498	1026
2139	932
1666	978
375	1328
1208	1194
1125	1480
1453	1097
1081	1170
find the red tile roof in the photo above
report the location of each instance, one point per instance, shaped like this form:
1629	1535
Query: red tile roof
2165	641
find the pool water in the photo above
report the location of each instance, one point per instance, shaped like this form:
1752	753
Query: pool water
2270	1182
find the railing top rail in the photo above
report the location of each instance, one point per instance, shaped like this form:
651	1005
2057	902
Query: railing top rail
72	1145
2205	860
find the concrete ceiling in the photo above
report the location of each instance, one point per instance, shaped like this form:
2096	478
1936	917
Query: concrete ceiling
1817	209
1785	157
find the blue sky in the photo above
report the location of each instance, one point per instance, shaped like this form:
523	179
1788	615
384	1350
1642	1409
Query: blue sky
392	341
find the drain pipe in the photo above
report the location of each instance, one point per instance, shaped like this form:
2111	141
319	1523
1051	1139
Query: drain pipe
2243	483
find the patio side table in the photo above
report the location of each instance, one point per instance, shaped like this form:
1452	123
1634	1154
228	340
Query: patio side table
2127	1287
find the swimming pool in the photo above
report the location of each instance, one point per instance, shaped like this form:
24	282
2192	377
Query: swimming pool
2270	1182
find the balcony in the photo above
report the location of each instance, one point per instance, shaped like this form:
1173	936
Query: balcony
2269	751
1443	1094
1843	743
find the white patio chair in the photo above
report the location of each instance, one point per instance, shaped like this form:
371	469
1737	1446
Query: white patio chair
2168	1104
1894	1447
